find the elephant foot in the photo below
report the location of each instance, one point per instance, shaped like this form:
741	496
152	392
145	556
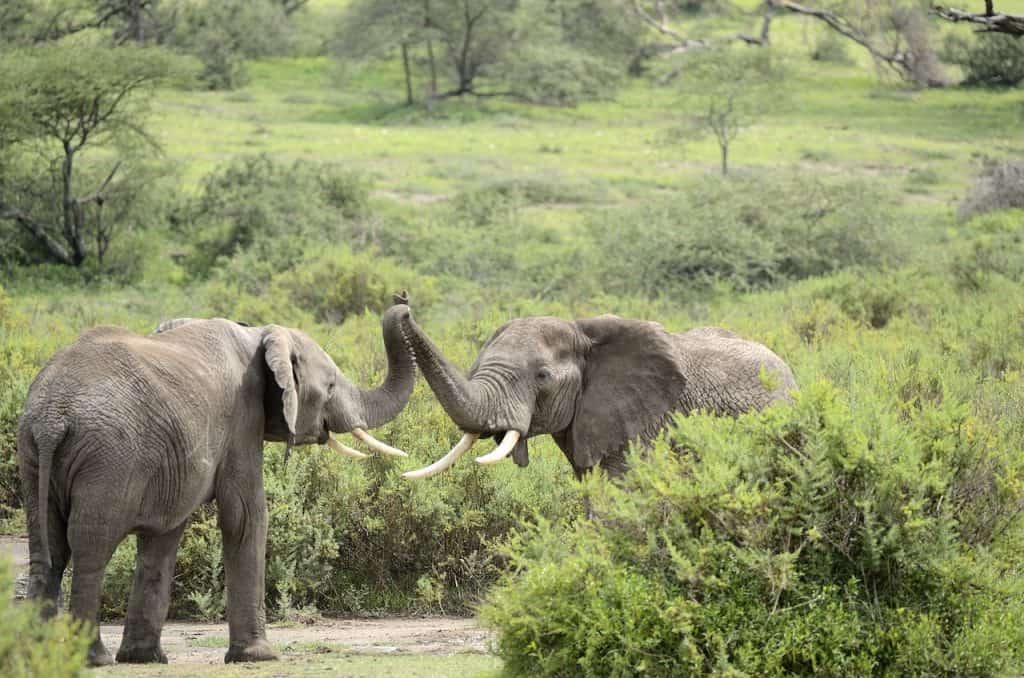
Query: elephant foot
256	651
98	655
141	654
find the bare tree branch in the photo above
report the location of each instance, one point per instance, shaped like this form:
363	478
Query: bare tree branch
98	196
680	43
992	22
896	59
39	232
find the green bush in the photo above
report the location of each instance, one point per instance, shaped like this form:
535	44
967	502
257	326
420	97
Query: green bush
271	210
990	60
30	647
831	48
749	233
562	75
342	284
223	34
817	538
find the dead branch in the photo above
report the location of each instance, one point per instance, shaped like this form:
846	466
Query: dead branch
99	196
991	22
896	59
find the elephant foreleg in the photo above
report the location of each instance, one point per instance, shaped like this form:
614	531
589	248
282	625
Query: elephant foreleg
150	598
243	523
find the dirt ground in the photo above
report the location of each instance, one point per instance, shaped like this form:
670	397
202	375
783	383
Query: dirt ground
205	643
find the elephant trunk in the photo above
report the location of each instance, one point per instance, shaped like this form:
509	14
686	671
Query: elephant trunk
460	398
382	404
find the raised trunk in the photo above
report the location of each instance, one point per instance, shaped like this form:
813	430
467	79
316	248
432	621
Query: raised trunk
459	397
382	404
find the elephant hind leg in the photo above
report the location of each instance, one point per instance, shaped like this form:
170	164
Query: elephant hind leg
92	545
150	598
44	580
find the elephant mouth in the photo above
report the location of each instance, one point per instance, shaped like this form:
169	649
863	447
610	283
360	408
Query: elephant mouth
520	452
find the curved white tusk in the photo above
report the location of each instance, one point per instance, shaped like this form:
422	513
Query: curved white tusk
447	460
375	444
508	443
344	449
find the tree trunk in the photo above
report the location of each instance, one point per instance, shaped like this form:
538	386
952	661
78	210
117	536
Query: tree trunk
433	69
408	74
135	27
72	216
725	159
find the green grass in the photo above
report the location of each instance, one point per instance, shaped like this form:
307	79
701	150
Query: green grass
839	119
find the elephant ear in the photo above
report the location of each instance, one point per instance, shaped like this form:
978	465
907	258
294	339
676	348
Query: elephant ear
632	380
278	352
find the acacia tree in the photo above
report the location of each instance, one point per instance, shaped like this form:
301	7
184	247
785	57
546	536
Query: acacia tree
375	28
57	101
729	86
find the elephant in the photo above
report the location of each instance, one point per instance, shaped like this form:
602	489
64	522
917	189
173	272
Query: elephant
128	434
595	385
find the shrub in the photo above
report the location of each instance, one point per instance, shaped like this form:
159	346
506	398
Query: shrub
341	284
1000	185
269	208
561	75
871	300
223	34
748	232
831	48
991	60
30	647
817	538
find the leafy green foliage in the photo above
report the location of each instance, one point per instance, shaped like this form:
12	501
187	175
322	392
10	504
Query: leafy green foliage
57	101
814	538
30	647
271	211
734	86
519	49
989	60
752	232
222	34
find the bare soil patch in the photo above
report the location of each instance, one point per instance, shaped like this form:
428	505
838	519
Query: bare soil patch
206	643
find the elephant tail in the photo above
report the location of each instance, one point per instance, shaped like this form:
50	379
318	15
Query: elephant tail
45	450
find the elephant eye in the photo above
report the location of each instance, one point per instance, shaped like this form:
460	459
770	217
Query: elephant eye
543	375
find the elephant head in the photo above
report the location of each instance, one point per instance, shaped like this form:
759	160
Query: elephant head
595	385
306	396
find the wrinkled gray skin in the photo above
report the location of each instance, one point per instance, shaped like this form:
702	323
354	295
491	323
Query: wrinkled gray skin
127	434
599	383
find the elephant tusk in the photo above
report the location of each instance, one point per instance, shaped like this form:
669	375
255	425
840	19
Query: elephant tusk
447	460
377	445
344	449
508	443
